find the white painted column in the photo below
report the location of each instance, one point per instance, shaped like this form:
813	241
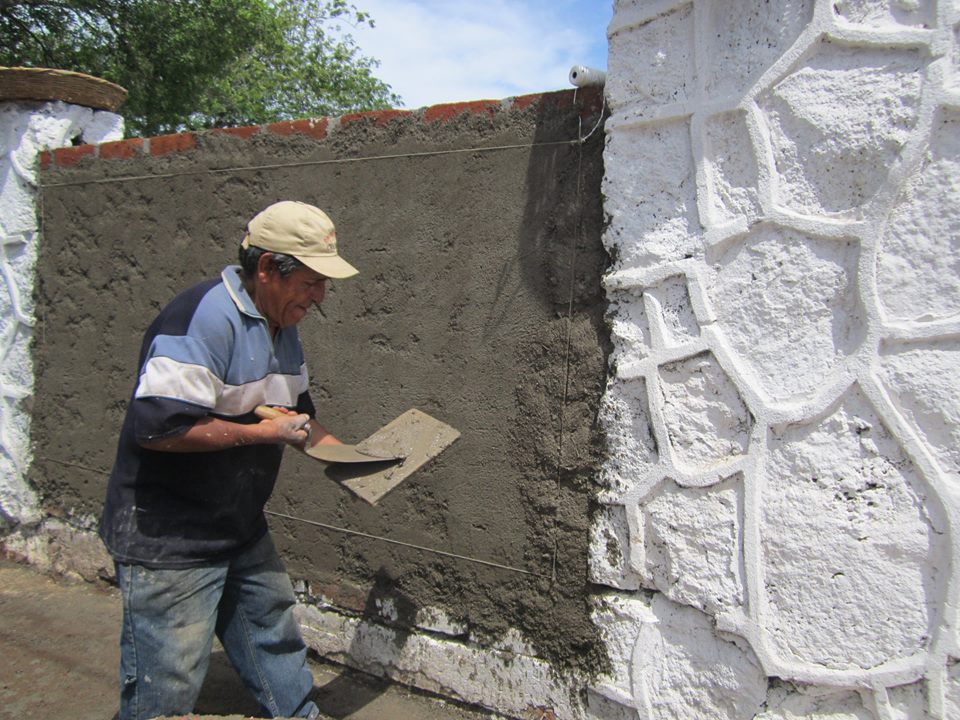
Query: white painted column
782	503
27	129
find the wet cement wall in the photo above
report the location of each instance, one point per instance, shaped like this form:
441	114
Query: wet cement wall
476	229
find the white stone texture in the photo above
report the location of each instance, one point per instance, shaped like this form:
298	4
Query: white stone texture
653	62
788	306
904	701
845	518
26	129
747	37
608	564
628	324
731	167
693	544
838	122
435	620
704	416
925	286
886	13
786	703
814	225
654	209
620	619
601	707
951	700
671	306
954	73
625	416
924	384
679	668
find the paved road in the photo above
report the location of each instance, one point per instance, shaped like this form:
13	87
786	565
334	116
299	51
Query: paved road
59	655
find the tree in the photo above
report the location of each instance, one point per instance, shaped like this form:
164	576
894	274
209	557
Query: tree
192	64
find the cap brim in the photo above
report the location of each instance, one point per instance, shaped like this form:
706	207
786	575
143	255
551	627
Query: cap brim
332	266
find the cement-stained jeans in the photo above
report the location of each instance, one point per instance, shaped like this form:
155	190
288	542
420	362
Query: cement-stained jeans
170	617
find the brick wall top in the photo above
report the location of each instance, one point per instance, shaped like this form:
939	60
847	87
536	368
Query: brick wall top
590	100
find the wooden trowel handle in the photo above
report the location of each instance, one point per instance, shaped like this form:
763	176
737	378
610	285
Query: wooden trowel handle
268	413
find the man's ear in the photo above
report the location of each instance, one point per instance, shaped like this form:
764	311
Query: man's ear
265	266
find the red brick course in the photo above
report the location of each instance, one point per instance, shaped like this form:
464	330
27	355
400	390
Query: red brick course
166	144
445	113
589	99
121	149
246	132
315	128
378	117
70	156
523	102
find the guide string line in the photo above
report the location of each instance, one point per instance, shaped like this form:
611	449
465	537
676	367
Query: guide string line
344	530
435	551
308	163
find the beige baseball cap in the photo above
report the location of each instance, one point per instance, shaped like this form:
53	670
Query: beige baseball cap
303	231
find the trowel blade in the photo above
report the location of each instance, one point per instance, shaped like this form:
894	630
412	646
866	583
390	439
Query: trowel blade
346	454
331	453
414	436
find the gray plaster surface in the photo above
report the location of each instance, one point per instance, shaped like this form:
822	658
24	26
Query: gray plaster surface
59	653
478	302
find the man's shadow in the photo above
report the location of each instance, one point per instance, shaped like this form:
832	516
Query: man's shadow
387	615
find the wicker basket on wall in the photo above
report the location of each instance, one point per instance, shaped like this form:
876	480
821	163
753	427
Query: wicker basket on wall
22	83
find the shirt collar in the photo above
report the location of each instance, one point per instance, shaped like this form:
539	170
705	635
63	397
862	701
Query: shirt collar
237	293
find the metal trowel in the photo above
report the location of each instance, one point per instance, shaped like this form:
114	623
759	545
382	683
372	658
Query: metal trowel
330	453
373	467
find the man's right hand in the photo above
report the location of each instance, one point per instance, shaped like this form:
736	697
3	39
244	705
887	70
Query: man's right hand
291	428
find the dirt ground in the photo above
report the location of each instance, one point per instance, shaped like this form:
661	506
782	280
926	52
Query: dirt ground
59	655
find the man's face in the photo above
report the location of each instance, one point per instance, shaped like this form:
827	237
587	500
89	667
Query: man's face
285	301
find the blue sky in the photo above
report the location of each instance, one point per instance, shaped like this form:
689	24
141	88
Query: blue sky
436	51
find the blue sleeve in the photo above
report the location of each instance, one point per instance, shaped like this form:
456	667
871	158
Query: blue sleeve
183	364
157	418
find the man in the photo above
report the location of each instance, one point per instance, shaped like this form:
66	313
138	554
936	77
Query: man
183	517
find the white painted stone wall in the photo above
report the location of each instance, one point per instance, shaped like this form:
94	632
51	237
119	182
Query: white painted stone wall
27	129
781	510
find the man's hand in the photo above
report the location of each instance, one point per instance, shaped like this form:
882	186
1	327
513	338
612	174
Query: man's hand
290	428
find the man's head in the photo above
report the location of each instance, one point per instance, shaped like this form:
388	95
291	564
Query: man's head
301	231
286	257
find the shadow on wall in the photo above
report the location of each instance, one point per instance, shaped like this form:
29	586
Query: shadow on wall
342	697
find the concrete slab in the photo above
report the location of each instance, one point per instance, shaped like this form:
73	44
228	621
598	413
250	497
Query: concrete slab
59	654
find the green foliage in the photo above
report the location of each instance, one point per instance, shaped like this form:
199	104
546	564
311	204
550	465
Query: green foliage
191	64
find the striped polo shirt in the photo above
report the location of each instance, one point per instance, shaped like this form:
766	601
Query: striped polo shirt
208	353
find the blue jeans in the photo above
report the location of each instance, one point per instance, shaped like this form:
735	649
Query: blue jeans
170	617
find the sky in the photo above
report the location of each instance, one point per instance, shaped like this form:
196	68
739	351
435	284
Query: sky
438	51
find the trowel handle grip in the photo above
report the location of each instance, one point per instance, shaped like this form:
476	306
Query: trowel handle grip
266	412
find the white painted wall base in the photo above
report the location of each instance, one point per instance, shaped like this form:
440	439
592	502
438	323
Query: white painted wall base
509	682
53	545
27	129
